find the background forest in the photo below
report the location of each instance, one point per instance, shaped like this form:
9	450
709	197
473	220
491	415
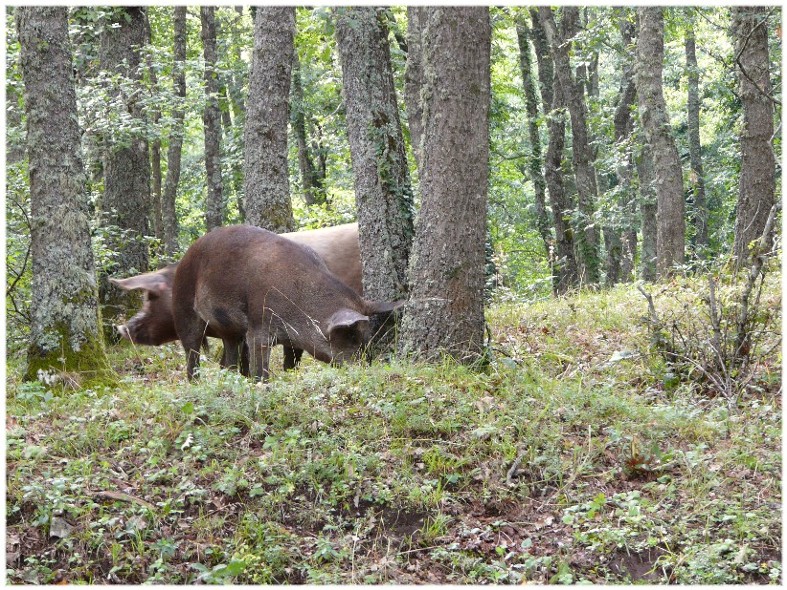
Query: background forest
625	422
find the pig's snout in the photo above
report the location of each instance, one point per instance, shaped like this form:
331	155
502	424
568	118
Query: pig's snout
123	331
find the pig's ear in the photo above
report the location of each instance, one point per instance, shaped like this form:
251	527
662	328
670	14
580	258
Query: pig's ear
345	318
384	307
153	282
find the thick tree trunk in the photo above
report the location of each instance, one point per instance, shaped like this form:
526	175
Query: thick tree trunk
414	79
65	335
758	177
699	207
211	119
168	215
267	185
126	199
382	181
312	178
565	273
445	314
587	239
536	161
670	237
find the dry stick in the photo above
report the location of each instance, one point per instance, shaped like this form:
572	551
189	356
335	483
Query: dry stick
125	498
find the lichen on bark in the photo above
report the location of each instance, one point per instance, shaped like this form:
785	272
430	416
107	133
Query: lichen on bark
64	332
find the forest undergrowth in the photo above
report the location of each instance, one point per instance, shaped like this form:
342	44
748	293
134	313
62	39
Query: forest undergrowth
580	454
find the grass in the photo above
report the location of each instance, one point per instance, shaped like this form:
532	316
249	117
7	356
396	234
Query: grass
575	457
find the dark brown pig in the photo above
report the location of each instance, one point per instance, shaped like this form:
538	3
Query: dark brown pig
249	285
155	325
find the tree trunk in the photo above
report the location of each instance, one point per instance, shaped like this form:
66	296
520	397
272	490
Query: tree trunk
758	177
211	119
414	79
536	160
235	85
155	146
698	203
382	180
445	314
668	176
126	199
267	188
624	127
648	206
65	335
312	178
587	239
565	275
169	217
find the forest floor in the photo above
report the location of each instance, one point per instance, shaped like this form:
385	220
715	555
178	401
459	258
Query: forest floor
578	455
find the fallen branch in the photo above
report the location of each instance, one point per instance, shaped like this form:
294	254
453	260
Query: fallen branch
123	497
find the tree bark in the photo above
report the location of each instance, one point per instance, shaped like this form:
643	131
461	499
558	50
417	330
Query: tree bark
413	79
668	176
623	269
127	168
65	335
382	180
445	314
758	174
648	206
536	161
169	217
565	274
211	119
698	202
266	182
155	146
587	239
235	84
126	199
312	177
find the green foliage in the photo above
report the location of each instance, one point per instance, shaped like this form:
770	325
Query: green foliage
405	473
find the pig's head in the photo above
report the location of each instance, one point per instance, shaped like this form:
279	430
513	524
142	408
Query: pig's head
348	332
154	323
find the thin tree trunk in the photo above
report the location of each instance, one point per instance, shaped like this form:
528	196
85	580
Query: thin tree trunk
155	146
758	176
413	79
65	335
266	185
445	314
623	269
536	160
587	239
311	179
565	273
699	207
211	118
235	86
169	217
648	207
382	180
670	237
